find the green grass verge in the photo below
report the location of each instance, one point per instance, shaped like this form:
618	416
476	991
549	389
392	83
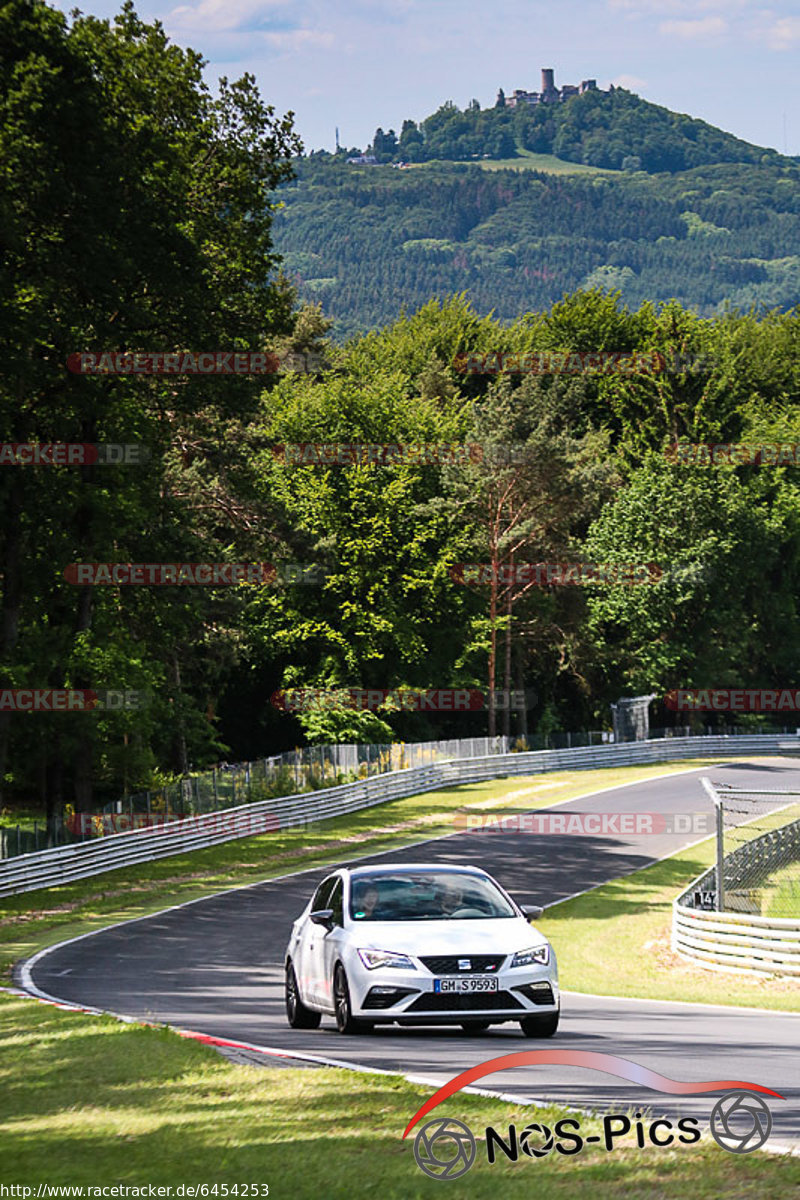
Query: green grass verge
781	893
90	1101
33	920
615	940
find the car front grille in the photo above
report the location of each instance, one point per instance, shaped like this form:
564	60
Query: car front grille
433	1002
447	964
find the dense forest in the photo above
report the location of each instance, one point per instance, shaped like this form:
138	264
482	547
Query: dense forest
367	242
117	241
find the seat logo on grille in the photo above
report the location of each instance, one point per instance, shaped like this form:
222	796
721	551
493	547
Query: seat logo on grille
465	964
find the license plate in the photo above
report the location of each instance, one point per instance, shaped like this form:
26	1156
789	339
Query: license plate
475	983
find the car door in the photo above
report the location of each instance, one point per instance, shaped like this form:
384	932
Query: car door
310	936
327	949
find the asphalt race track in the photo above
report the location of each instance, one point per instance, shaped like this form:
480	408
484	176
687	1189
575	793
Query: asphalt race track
216	966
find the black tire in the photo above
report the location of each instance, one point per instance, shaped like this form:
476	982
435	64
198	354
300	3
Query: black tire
345	1021
540	1027
298	1016
473	1028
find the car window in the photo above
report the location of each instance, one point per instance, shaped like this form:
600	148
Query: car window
322	893
336	903
427	896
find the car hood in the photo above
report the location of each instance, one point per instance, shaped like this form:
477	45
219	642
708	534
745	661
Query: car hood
502	936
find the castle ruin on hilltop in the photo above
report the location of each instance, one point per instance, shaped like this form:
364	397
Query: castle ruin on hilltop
549	94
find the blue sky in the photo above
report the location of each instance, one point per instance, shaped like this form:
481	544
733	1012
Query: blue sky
362	63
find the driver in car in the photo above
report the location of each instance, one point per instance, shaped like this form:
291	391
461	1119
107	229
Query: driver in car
367	902
451	898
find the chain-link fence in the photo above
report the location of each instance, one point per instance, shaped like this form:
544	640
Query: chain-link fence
311	768
758	852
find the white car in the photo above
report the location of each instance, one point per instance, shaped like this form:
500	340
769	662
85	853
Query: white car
419	944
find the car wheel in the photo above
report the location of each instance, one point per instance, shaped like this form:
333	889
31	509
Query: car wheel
540	1027
298	1016
475	1027
345	1021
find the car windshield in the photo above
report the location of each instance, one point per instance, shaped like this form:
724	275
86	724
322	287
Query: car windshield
428	896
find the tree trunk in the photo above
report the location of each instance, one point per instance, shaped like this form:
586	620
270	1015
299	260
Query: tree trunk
522	713
507	671
493	652
11	605
180	739
83	762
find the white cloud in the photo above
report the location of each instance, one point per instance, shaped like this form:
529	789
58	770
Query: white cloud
664	7
216	16
707	27
298	39
784	33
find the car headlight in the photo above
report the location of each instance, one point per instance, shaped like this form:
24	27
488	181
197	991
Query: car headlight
535	954
385	958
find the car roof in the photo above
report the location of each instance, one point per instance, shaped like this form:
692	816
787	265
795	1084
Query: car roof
401	867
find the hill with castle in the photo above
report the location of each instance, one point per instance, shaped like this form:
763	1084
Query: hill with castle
541	194
612	129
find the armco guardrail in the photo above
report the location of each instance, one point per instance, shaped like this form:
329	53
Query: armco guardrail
737	941
49	868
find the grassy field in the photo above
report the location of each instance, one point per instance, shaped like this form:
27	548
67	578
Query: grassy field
527	161
780	896
90	1101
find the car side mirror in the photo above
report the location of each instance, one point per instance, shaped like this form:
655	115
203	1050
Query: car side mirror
532	911
323	917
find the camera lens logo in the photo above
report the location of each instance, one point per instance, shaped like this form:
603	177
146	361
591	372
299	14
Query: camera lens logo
529	1137
740	1122
444	1149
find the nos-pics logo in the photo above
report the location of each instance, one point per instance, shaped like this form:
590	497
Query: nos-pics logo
445	1148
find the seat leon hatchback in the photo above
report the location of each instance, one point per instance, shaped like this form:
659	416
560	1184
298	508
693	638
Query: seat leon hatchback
419	944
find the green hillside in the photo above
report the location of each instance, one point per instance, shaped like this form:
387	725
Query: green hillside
369	241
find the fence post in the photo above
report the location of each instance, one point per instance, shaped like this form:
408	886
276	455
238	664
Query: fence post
214	783
19	841
720	857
